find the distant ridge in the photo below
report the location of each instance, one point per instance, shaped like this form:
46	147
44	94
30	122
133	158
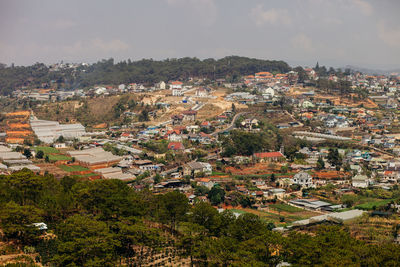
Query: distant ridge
373	71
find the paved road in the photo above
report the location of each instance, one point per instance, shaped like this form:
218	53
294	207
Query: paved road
231	125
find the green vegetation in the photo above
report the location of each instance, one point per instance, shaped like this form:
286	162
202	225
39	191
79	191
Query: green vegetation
58	157
370	205
46	150
107	223
51	153
216	173
142	71
245	143
285	207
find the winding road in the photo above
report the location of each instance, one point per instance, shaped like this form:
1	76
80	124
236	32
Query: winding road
231	125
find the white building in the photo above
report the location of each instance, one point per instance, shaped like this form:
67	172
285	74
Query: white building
360	181
100	90
303	179
49	131
177	92
268	92
176	85
161	85
201	92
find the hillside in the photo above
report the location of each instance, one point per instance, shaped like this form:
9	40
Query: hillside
89	112
143	71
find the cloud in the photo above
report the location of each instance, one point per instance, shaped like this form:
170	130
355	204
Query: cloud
205	10
303	42
390	36
364	7
270	16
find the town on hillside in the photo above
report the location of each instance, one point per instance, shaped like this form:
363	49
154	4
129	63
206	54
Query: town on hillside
297	148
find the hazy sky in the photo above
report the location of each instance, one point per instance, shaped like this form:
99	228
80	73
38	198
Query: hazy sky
334	32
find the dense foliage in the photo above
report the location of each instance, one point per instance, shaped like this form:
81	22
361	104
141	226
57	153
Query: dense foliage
246	143
107	223
143	71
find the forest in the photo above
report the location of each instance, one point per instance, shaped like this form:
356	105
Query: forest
145	71
108	223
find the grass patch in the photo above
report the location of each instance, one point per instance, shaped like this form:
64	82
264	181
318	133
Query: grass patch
372	204
285	207
73	168
59	157
52	153
218	173
47	149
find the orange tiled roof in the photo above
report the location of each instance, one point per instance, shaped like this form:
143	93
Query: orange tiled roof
263	73
268	155
177	83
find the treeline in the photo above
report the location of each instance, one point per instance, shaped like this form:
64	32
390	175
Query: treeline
107	223
146	71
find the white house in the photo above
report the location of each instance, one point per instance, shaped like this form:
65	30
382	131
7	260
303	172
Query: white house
307	104
176	85
206	182
303	179
161	85
269	92
59	145
100	90
360	181
177	92
201	92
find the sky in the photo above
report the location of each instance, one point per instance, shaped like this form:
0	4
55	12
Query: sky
336	33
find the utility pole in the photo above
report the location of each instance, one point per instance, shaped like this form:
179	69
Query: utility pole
214	73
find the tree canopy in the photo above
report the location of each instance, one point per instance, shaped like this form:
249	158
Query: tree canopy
107	223
146	71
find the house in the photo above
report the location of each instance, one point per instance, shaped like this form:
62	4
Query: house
100	90
59	145
355	168
177	119
249	123
189	115
205	138
202	92
206	182
161	85
174	136
268	92
121	87
276	192
306	104
177	92
391	175
205	124
269	156
192	168
303	179
176	146
176	85
263	76
360	181
222	118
